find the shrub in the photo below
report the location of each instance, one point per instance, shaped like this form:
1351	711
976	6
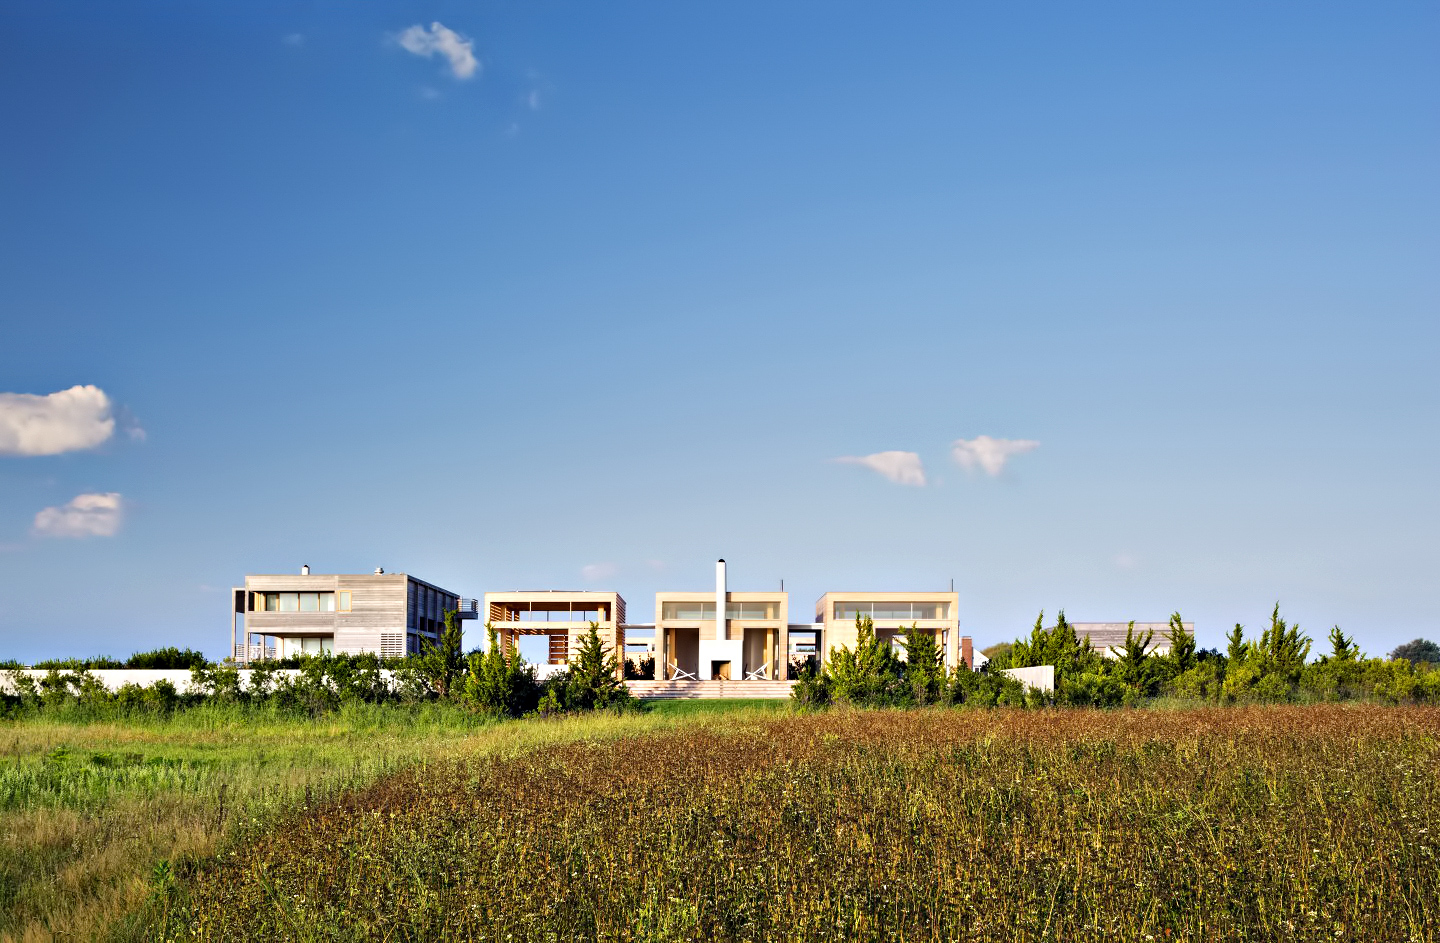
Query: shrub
1418	651
167	658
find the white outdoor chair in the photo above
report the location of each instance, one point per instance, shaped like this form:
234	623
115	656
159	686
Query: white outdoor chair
680	674
759	674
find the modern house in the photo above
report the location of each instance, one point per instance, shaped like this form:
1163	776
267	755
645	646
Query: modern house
720	635
892	615
563	616
1108	638
390	614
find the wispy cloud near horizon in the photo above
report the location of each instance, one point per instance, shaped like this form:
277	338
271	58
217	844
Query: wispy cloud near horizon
903	468
440	40
598	571
988	454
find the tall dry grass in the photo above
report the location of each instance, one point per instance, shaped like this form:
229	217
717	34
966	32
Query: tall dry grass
1313	823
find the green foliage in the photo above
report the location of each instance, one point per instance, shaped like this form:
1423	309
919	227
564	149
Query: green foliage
1181	657
170	657
499	683
441	664
871	675
590	683
1417	651
998	651
94	663
924	667
641	669
1237	647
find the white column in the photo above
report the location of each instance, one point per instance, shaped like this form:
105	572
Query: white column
721	629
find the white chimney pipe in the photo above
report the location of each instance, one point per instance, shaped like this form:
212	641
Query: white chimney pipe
305	570
721	630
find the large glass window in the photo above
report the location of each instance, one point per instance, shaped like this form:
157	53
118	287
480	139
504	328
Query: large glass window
687	610
751	610
302	602
891	611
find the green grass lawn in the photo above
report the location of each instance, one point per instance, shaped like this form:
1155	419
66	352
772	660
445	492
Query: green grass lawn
92	812
690	707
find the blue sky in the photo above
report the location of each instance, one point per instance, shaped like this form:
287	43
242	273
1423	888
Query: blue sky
608	302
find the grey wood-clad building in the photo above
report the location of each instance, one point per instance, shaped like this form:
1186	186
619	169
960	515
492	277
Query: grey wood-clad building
390	614
1108	638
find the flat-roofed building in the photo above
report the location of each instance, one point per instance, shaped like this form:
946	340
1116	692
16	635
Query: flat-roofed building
892	614
721	636
563	616
390	614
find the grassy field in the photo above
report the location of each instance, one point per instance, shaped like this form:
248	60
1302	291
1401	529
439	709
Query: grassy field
1296	823
97	818
95	815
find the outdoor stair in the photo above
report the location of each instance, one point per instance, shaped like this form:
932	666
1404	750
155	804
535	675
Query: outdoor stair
689	689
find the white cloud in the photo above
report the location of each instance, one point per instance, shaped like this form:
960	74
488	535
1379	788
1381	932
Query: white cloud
293	39
77	418
532	100
903	468
989	454
1126	561
439	40
87	515
598	571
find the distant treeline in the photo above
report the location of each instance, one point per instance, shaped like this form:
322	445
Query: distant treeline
491	682
1273	668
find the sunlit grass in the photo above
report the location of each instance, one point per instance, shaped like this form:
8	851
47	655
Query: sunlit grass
1257	823
88	811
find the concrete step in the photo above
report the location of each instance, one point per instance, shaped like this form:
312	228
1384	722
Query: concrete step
691	689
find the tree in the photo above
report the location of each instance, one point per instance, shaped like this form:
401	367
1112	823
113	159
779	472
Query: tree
498	682
1132	663
1182	645
441	664
867	676
1238	649
1283	649
1342	647
924	666
592	681
1417	651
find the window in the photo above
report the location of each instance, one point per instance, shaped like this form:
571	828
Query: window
891	611
302	602
687	610
557	615
751	610
344	600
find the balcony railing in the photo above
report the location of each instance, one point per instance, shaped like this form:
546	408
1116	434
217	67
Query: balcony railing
468	609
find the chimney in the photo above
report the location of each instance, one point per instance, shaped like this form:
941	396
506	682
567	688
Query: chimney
721	630
379	571
305	570
967	652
